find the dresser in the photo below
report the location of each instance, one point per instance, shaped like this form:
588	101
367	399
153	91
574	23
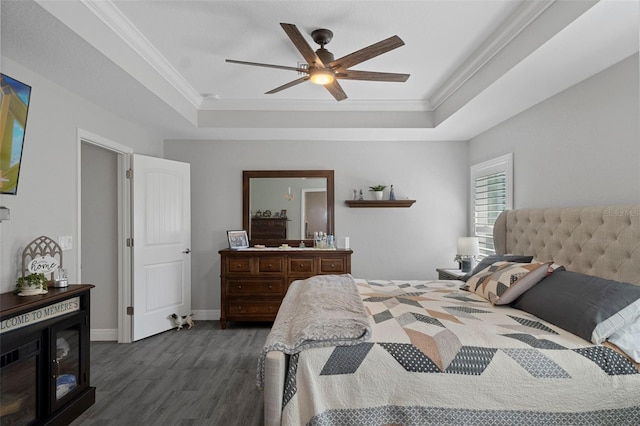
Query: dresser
253	282
269	228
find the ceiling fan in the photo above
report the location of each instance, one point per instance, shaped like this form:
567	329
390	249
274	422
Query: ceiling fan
323	69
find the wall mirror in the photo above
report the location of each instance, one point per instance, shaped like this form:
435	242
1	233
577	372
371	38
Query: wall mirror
287	206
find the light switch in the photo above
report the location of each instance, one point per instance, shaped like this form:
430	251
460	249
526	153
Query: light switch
65	242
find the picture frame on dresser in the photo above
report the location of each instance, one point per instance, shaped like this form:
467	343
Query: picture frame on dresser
238	239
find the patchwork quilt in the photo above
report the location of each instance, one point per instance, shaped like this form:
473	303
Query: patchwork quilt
439	355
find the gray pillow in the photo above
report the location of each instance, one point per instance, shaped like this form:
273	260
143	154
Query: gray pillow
493	258
577	302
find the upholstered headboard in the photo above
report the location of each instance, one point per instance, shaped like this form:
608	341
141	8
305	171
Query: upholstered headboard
602	241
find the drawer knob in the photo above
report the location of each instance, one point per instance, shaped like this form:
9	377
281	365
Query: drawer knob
333	265
239	307
270	266
239	286
270	287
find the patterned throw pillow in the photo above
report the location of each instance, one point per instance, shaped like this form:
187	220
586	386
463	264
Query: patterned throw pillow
493	258
503	282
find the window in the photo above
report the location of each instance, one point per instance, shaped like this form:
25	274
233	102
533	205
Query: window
491	193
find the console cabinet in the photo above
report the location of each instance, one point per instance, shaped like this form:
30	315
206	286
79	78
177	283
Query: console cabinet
44	342
253	282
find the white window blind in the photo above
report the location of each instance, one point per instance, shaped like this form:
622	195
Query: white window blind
491	194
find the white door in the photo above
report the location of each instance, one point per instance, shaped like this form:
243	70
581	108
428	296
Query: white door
161	241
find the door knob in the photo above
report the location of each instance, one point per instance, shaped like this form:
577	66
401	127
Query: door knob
187	251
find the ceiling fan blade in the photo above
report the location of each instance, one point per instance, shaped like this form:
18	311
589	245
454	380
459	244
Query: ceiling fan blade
367	53
258	64
301	44
372	76
289	84
336	90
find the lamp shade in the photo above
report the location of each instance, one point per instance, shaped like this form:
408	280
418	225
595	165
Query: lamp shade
468	246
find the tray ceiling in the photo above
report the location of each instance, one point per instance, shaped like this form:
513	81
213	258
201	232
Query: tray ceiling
473	63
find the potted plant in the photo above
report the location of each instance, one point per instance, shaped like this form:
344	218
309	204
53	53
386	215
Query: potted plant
31	284
377	191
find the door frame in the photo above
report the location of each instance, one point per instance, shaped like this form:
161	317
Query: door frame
303	207
124	224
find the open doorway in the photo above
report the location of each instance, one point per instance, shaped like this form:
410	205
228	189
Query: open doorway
103	225
313	211
99	238
107	212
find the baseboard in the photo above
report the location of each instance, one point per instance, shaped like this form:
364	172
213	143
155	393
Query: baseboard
111	335
207	315
103	335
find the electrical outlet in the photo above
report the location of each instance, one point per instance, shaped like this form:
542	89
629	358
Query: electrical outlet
65	242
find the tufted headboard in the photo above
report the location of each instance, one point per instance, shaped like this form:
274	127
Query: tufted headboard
602	241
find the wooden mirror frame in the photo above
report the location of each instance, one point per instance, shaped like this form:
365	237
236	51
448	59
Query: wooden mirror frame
247	175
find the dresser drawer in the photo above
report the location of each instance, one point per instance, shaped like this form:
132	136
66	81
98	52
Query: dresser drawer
243	287
253	307
239	264
301	266
271	264
333	265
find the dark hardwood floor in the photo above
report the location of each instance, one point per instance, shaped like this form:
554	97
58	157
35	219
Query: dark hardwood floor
202	376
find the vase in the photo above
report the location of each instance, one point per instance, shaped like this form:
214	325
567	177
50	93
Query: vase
378	194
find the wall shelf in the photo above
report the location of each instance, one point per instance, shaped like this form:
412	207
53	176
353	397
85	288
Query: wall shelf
379	203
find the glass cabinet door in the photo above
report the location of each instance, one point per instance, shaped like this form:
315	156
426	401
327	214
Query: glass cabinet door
68	371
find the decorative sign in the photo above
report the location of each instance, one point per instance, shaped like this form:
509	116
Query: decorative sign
39	315
42	265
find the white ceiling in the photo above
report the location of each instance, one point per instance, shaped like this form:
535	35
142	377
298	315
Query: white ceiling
473	63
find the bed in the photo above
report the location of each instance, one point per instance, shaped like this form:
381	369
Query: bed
450	352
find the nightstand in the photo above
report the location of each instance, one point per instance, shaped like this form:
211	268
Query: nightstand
450	274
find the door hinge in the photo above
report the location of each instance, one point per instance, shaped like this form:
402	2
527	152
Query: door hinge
129	310
130	174
129	242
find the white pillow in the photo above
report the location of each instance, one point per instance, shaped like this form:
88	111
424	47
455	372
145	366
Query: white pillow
622	329
628	339
617	322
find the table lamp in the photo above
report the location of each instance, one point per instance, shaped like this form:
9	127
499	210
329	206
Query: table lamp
468	249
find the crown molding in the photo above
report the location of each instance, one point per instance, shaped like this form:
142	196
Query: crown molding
214	104
120	25
117	22
520	19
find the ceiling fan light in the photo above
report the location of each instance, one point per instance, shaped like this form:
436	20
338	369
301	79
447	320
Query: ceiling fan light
322	76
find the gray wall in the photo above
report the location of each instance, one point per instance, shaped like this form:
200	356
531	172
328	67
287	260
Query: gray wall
580	147
46	203
402	243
